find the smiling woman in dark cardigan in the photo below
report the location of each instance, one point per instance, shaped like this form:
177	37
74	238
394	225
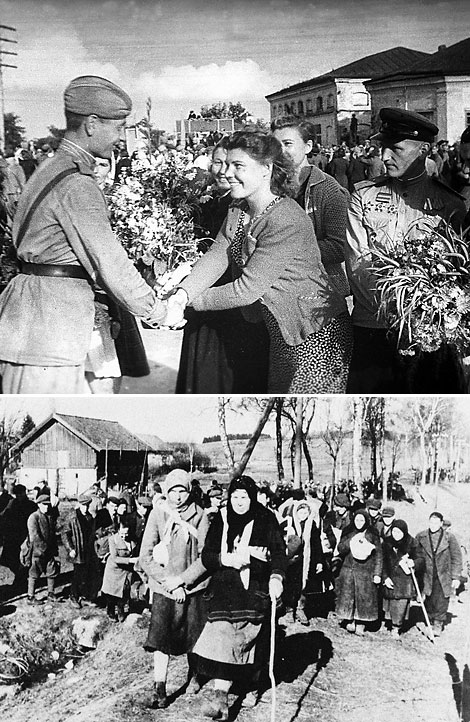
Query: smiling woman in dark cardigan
269	242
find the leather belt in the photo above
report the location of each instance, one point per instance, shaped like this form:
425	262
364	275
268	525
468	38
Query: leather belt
47	269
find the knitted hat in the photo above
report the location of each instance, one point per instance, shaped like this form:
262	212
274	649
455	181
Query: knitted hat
177	477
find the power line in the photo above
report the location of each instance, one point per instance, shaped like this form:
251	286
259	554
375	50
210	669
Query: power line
4	65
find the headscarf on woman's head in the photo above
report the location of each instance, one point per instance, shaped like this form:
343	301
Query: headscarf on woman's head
403	543
237	522
364	513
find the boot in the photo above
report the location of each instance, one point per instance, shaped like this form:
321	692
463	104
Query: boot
160	700
34	601
218	707
395	633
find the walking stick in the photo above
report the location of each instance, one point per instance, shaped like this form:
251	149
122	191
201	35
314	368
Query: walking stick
421	603
272	649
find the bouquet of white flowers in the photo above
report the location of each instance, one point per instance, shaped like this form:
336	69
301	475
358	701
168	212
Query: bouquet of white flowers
152	212
424	288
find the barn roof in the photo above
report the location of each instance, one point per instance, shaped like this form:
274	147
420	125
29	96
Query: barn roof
388	61
100	434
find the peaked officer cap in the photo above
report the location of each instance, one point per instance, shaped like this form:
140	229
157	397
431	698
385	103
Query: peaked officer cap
399	124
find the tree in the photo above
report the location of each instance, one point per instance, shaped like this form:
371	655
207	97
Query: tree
14	131
11	431
223	110
374	434
289	412
333	437
222	404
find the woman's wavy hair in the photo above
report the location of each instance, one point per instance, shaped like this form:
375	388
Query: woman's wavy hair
305	128
265	148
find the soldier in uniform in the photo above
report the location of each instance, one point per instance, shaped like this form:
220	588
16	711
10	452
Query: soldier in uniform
381	212
65	245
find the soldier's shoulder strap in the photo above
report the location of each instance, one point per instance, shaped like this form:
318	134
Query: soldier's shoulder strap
444	186
39	199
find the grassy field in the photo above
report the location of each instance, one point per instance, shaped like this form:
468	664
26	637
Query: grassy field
323	673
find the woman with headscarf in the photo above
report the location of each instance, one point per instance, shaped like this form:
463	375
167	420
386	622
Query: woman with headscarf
246	556
401	553
304	550
361	573
170	550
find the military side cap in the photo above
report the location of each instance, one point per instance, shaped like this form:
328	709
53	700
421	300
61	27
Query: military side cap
92	95
398	124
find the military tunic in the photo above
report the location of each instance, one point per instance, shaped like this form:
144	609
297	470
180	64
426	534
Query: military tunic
381	213
47	321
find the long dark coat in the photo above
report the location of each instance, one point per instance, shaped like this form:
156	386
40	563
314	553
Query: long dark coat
357	595
78	535
448	561
404	587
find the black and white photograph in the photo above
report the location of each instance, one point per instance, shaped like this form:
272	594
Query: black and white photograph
213	197
234	558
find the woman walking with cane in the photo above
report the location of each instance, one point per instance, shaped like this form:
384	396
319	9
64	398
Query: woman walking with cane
246	555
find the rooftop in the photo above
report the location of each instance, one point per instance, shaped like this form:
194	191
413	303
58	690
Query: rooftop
372	66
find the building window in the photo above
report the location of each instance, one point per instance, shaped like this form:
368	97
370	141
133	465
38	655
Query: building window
300	107
319	104
309	105
286	108
317	134
361	99
467	118
330	101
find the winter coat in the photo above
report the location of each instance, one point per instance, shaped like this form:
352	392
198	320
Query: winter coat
403	585
14	521
243	595
42	534
448	559
118	569
78	535
184	547
357	595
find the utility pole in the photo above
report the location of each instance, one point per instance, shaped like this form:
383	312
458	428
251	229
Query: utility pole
4	65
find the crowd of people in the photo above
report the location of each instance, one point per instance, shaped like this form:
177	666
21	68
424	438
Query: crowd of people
210	564
284	300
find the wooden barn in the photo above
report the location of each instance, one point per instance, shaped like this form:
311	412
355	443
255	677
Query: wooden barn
73	452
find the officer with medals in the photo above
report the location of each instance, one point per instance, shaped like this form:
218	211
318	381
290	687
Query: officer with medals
65	246
382	212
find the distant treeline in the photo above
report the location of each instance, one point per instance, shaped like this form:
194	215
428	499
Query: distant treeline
232	437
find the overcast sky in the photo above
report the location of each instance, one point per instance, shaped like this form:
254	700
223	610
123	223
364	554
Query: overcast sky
185	53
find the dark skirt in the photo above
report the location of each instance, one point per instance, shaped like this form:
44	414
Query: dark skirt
377	367
175	628
222	353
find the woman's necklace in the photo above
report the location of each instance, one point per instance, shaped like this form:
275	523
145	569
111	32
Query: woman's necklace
275	200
